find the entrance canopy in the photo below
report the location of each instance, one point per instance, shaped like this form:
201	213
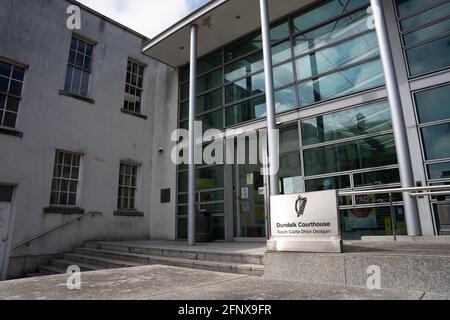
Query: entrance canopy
219	22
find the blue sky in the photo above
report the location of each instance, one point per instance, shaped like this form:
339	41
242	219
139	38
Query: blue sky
148	17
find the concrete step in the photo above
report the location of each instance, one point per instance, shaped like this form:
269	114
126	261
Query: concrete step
101	262
192	254
51	270
34	275
63	263
141	259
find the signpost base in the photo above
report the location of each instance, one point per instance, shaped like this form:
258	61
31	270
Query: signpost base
325	245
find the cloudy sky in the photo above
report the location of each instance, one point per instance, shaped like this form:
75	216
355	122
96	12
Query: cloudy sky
148	17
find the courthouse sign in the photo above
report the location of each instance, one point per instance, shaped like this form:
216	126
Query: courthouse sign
307	222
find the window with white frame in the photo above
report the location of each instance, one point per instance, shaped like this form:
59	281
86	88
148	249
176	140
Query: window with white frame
11	83
79	67
133	87
127	186
66	179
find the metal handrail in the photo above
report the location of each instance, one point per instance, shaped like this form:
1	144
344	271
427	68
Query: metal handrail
412	192
394	190
26	243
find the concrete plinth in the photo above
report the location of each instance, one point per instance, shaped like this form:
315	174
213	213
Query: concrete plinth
403	266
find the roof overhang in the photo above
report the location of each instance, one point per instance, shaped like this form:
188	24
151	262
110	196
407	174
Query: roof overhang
219	22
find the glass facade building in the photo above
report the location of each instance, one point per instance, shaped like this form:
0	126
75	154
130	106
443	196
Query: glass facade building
329	85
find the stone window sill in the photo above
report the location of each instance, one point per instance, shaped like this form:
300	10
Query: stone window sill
76	96
128	213
134	114
11	132
64	210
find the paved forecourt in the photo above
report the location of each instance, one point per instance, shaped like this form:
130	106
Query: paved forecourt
172	283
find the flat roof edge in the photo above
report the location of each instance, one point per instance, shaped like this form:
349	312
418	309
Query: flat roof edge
183	23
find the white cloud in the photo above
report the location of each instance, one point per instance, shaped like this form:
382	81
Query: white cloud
148	17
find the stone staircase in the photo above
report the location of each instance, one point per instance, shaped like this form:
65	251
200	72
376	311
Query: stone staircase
105	255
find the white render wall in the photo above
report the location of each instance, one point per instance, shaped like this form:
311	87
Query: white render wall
34	32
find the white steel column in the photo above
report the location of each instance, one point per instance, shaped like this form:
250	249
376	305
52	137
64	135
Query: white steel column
270	96
192	114
398	122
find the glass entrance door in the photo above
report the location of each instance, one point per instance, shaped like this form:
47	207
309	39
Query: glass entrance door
249	200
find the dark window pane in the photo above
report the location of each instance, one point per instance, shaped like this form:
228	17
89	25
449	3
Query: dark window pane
406	7
184	91
213	120
349	123
183	198
326	10
15	88
81	46
2	101
209	81
5	69
436	141
349	52
361	154
4	84
182	229
246	111
87	63
208	101
439	171
89	50
209	62
429	57
426	17
84	83
18	73
184	73
72	199
182	210
426	33
72	55
358	78
218	227
74	43
338	30
63	198
375	178
76	81
9	119
79	60
331	183
68	83
183	182
12	104
434	104
184	110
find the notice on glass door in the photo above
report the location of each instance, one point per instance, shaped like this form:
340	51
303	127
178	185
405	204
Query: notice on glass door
244	193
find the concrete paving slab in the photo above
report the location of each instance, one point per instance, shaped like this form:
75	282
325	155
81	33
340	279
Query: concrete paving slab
167	283
217	247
